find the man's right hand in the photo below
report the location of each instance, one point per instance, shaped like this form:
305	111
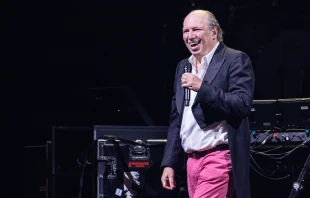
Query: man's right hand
167	178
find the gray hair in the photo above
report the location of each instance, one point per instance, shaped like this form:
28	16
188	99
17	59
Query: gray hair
212	22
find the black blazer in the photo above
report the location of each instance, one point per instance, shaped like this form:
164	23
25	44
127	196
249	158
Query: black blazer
226	93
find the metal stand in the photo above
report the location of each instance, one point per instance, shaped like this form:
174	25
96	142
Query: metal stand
298	184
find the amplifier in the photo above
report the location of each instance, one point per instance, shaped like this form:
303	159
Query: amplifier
263	115
280	114
130	170
295	112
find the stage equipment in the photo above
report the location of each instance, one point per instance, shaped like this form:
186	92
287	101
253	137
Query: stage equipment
127	162
277	157
130	170
274	138
264	115
295	113
281	115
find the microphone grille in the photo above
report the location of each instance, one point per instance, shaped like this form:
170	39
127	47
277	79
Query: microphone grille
188	68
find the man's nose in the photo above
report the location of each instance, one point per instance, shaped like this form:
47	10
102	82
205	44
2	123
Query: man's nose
191	35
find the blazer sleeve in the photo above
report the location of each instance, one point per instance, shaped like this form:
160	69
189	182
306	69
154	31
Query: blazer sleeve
173	149
237	101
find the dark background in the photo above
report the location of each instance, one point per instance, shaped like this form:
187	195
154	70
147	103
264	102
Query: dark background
58	52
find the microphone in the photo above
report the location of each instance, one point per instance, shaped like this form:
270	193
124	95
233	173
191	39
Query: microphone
187	93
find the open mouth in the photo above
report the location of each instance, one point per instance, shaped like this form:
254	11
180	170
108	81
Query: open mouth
194	44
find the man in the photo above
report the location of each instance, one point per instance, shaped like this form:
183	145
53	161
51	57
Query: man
213	130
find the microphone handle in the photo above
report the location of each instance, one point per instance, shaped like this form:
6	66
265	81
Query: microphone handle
187	68
186	96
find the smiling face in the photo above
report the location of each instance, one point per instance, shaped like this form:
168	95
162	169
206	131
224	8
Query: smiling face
198	37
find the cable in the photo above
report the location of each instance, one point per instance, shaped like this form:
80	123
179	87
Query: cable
279	178
256	139
267	132
286	153
273	149
261	172
264	141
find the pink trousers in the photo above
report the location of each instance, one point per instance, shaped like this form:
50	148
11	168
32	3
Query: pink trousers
210	176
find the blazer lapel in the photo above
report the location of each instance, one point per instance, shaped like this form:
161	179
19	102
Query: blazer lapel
180	98
215	64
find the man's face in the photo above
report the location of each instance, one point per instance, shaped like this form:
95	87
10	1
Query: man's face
198	38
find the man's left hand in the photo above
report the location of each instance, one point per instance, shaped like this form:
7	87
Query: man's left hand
191	81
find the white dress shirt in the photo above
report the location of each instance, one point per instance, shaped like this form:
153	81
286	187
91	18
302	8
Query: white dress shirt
193	137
